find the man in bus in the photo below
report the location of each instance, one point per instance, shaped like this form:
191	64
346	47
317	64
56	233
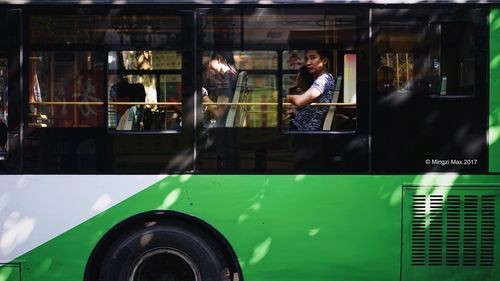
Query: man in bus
219	84
309	117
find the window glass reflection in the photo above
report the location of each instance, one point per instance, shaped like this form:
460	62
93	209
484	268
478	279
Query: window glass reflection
117	28
299	27
221	29
397	49
65	89
432	53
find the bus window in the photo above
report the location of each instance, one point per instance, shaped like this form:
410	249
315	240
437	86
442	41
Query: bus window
241	89
435	55
452	58
144	90
267	36
294	31
65	89
65	78
66	69
340	111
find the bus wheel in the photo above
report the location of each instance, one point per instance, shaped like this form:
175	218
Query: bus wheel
164	253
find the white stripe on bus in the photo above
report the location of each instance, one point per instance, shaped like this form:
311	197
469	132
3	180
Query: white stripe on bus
36	208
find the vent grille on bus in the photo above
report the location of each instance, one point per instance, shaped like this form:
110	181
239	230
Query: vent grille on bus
456	230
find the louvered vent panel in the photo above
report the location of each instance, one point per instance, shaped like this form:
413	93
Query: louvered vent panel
436	230
488	230
454	231
418	230
470	230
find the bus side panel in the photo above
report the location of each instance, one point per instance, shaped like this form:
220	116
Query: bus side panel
494	118
282	228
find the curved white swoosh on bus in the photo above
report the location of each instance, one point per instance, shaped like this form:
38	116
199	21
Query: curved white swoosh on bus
36	208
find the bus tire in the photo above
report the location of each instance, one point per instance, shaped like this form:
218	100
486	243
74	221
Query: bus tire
163	252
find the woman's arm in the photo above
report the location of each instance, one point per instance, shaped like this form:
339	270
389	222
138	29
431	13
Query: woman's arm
217	111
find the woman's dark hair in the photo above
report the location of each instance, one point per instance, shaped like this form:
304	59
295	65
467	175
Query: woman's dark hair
219	57
226	55
306	78
206	77
229	61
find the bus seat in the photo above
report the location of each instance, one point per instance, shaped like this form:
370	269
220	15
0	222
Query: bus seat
327	125
239	94
340	121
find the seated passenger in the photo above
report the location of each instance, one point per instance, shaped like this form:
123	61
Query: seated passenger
310	117
129	114
219	84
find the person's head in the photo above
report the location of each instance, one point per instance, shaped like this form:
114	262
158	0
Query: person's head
129	92
304	78
217	64
316	61
3	134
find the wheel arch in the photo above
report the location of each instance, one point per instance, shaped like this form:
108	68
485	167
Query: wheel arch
201	227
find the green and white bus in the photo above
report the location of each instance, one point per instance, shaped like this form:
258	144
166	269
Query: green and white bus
401	184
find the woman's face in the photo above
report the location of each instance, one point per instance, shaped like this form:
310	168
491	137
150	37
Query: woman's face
217	67
314	63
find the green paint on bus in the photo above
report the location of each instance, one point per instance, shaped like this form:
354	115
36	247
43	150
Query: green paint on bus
304	227
494	118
